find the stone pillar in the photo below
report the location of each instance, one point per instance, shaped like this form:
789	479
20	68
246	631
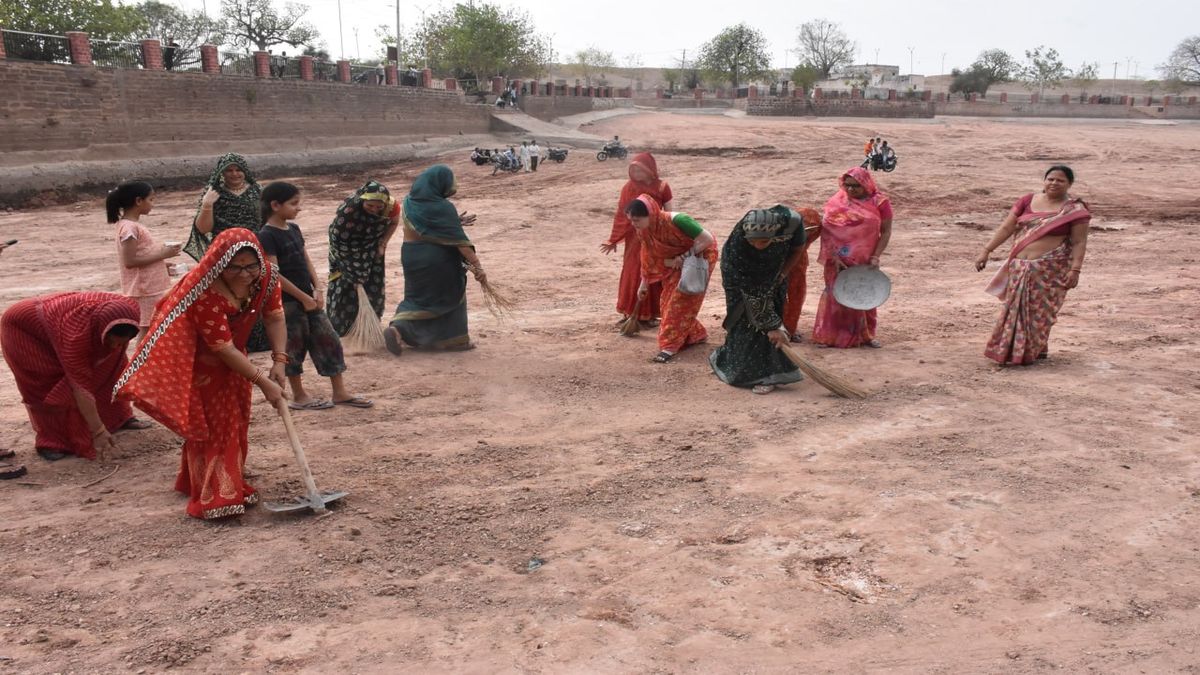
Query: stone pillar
1004	97
427	78
533	88
1191	99
1129	100
262	64
974	97
856	93
578	90
80	47
391	75
2	54
497	85
752	91
1166	101
517	84
343	71
891	95
307	71
1066	98
209	61
152	56
817	94
698	94
1149	100
451	84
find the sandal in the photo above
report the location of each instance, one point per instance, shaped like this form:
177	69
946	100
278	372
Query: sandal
134	424
51	455
9	471
355	402
315	404
763	388
873	344
391	337
663	357
5	453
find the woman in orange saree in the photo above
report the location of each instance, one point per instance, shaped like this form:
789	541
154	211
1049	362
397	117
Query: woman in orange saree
667	239
855	231
1051	231
191	372
797	274
643	179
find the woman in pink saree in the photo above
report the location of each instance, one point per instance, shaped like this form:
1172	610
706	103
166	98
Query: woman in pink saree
1045	261
855	230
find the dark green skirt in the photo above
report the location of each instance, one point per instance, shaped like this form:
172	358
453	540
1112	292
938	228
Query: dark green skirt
433	313
748	358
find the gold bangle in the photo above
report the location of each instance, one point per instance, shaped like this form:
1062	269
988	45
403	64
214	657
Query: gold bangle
97	433
257	377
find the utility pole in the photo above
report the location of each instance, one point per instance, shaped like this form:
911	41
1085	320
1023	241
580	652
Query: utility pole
1114	84
943	70
341	33
357	51
910	60
397	35
876	57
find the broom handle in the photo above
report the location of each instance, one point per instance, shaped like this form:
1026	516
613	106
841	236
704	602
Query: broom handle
637	306
310	486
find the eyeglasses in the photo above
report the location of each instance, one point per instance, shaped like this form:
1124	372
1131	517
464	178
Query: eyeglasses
251	269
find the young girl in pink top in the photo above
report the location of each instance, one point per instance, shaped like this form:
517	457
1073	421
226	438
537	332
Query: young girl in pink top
144	271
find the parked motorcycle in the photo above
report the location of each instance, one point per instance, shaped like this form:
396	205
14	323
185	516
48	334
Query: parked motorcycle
876	163
501	162
556	154
617	150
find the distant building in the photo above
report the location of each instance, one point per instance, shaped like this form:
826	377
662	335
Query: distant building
874	73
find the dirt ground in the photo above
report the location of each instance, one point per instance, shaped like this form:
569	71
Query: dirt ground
554	502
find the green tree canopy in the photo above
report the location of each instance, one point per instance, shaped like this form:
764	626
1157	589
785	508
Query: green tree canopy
1043	68
167	23
738	54
805	76
100	19
481	40
591	61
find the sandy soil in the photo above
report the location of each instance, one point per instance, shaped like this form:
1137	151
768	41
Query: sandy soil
553	502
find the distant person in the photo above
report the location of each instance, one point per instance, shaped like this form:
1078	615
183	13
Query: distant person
667	240
535	154
1050	229
524	156
855	230
66	351
411	77
145	275
869	148
309	332
380	74
169	54
643	179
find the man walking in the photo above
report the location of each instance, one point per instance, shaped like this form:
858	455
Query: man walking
535	153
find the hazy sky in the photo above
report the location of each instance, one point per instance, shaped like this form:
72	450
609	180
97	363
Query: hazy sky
1137	35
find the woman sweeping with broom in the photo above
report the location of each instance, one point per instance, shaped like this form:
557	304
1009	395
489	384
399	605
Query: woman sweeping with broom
358	238
436	255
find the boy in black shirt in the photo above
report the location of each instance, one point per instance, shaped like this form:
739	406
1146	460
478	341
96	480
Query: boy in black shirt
308	329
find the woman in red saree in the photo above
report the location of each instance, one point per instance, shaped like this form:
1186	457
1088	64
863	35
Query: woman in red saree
797	274
643	180
65	351
191	372
667	238
855	231
1051	231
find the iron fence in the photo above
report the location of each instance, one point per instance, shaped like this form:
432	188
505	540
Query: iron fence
176	57
25	46
324	71
109	54
233	63
365	75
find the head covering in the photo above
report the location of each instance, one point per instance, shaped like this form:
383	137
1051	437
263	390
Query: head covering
355	233
851	227
230	210
428	210
159	379
645	161
75	325
660	240
771	223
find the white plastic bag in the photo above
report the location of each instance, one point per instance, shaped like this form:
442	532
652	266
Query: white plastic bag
693	279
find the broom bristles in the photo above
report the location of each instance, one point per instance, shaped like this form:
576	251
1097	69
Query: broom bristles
632	325
495	301
824	378
366	334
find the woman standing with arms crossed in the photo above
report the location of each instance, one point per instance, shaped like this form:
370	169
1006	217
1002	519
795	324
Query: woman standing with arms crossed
1051	231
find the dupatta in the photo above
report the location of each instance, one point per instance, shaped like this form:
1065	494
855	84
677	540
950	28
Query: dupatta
851	227
428	211
75	325
661	240
656	188
1037	227
159	379
230	210
355	233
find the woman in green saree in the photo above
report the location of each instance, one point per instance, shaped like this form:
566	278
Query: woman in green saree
435	255
754	263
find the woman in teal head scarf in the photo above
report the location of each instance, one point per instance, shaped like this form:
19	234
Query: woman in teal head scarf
436	255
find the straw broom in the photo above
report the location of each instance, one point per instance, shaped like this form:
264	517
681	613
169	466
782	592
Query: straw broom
494	300
631	326
366	335
828	380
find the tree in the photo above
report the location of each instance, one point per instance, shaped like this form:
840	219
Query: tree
1085	76
410	51
995	65
169	24
256	23
1184	62
100	19
970	81
823	44
671	76
737	54
1043	68
806	76
481	40
590	61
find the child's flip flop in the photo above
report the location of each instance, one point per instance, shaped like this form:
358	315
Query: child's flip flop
356	402
315	404
8	471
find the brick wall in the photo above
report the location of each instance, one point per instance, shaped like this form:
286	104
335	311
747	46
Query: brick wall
798	107
49	110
